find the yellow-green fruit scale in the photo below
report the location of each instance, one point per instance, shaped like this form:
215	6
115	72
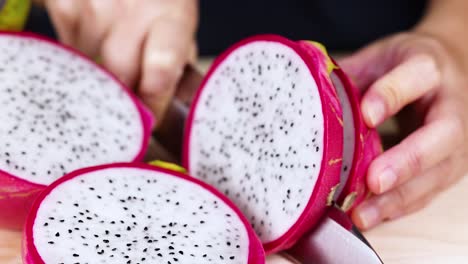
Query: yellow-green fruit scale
167	165
13	14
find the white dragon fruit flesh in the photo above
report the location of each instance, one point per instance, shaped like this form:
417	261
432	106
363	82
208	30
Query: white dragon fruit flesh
136	213
59	112
266	129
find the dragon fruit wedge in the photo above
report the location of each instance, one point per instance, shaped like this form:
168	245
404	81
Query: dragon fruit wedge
59	112
266	129
361	144
136	213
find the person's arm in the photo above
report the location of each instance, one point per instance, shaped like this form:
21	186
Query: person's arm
447	20
418	76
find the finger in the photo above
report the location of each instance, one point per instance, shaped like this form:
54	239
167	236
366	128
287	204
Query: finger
421	150
164	60
96	20
65	17
411	208
366	65
193	53
407	198
167	51
407	82
122	46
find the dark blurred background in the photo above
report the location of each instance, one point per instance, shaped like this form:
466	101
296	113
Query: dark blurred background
339	24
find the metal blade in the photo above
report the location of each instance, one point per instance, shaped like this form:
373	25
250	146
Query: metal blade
170	132
334	240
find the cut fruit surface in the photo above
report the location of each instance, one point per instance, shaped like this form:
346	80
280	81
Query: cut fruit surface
266	129
129	213
60	112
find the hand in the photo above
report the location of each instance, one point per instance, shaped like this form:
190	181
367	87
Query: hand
279	259
417	78
145	43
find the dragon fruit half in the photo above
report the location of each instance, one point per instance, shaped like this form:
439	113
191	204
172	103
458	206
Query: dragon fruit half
276	127
266	129
136	213
59	112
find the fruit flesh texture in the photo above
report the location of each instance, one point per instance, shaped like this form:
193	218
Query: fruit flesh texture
139	214
262	143
44	134
60	113
269	128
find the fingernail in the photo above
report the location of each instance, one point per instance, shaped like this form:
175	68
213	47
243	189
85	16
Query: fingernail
387	180
374	110
369	216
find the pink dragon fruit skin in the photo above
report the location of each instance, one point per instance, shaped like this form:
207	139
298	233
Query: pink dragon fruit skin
16	197
330	166
18	193
367	148
43	208
366	145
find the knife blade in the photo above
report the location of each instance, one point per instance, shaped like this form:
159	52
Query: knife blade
335	240
170	131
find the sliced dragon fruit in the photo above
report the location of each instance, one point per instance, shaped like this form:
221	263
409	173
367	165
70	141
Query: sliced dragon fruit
136	213
60	112
367	146
361	144
266	129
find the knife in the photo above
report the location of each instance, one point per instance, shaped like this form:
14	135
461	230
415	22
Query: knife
335	240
